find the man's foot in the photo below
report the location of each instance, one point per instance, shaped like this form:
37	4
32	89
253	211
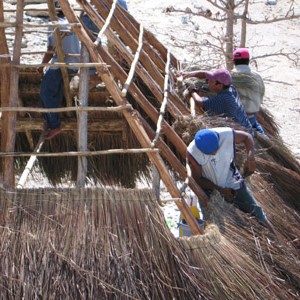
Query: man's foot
52	133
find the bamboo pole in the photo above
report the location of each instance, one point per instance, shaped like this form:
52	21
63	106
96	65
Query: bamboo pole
106	24
82	127
164	103
133	121
126	106
30	163
134	63
80	153
37	25
58	64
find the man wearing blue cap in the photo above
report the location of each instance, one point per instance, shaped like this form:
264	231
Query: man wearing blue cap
211	156
225	101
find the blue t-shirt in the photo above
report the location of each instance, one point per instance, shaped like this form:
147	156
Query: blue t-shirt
228	104
70	44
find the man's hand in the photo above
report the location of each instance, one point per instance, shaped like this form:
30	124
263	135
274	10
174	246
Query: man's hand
249	168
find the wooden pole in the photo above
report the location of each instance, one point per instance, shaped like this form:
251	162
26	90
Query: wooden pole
30	163
134	63
106	24
133	121
8	171
83	118
164	103
7	162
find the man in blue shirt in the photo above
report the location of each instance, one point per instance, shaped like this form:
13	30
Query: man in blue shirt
225	101
52	89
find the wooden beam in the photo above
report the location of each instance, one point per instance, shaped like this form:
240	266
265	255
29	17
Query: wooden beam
147	70
100	125
134	63
8	171
4	97
82	124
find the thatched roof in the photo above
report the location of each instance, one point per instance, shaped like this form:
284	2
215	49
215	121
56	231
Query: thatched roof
115	244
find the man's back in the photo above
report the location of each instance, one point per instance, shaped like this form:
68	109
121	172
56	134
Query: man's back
250	87
228	104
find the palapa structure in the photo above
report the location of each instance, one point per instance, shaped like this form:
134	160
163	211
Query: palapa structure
115	127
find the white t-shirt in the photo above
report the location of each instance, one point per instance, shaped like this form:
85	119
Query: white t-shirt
219	168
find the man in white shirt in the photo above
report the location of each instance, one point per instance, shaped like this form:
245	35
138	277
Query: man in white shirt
252	90
211	156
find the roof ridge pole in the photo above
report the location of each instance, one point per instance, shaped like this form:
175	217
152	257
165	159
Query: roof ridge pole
8	171
133	121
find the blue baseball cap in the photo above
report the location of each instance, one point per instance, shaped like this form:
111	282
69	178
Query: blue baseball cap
207	141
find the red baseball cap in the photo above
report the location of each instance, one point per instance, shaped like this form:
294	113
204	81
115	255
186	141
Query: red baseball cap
241	53
221	75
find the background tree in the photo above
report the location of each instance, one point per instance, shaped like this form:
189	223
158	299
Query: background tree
236	15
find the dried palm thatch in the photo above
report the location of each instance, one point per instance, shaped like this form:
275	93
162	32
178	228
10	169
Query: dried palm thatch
121	249
280	259
115	169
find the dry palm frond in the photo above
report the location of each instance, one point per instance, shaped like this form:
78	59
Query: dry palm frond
116	169
115	244
103	244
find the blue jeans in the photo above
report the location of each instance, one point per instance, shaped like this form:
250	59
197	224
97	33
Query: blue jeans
52	94
256	125
246	202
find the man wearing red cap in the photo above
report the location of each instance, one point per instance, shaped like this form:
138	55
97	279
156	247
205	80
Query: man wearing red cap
251	93
225	101
211	156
